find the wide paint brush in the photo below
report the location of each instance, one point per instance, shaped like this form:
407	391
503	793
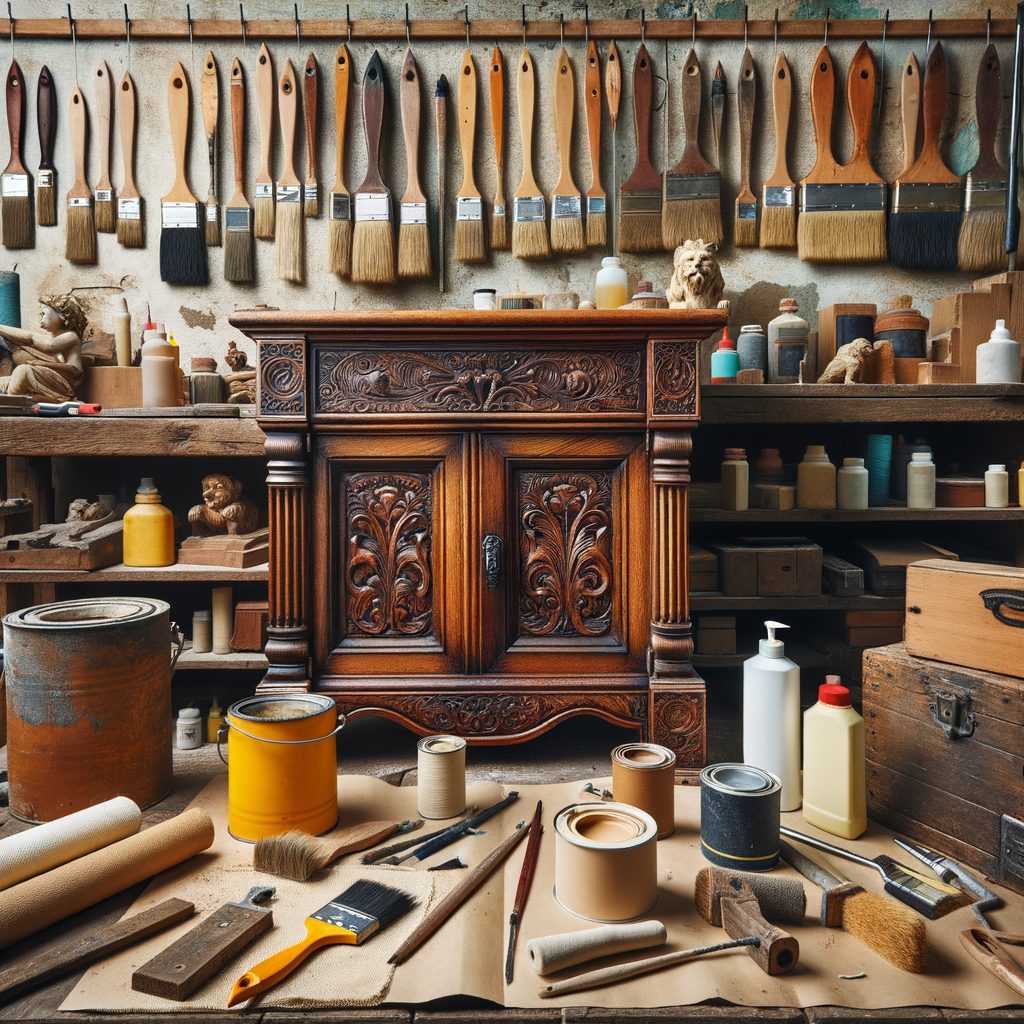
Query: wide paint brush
529	217
778	194
103	210
640	194
718	111
566	202
339	213
597	199
16	205
263	201
413	230
745	223
46	122
613	90
210	98
910	110
499	218
237	213
469	204
129	202
80	229
289	263
310	196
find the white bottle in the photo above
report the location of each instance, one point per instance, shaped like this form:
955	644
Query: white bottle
921	481
997	487
190	729
771	715
122	331
160	387
834	784
997	360
852	485
611	284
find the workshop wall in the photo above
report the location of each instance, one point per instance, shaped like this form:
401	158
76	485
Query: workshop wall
755	279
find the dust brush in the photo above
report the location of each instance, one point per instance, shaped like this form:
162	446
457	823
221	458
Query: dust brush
778	194
413	232
529	209
210	95
745	224
237	213
339	212
263	200
104	194
566	202
499	216
289	240
80	229
46	121
16	202
597	198
310	80
640	195
129	202
469	204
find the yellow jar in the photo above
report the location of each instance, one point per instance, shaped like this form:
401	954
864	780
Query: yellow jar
148	529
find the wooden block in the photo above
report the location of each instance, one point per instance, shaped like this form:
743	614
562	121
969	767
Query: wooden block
777	572
885	562
775	496
250	632
560	300
906	370
840	577
938	373
892	619
750	377
1015	313
703	581
878	367
716	621
737	570
702	560
113	387
827	327
969	318
236	551
716	641
940	348
769	567
873	636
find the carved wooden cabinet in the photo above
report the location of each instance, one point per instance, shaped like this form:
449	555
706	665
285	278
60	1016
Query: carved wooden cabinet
478	519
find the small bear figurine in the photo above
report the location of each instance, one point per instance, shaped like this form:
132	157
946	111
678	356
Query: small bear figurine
225	510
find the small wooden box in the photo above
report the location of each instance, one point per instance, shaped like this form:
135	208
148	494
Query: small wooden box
703	568
769	567
885	562
113	387
944	758
840	577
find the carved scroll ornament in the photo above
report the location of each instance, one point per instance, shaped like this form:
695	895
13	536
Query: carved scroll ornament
674	372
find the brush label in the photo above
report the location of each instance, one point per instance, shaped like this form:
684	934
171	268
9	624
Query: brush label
779	195
211	212
596	205
469	208
790	351
264	191
413	213
309	193
692	186
129	209
857	197
340	205
988	195
747	211
289	193
565	208
180	215
44	179
373	206
14	185
499	210
237	220
104	195
640	202
79	202
528	209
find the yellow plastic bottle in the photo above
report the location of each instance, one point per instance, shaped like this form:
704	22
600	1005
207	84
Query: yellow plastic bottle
148	529
834	788
214	722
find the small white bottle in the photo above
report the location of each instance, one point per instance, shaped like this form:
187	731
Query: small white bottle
834	783
190	729
771	715
921	481
997	361
122	331
852	485
997	487
611	284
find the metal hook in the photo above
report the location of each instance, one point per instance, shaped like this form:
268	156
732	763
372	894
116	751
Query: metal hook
298	36
191	46
128	36
586	23
241	19
928	45
881	71
643	25
776	33
74	41
465	15
348	24
828	11
745	8
524	26
408	32
10	19
988	27
693	28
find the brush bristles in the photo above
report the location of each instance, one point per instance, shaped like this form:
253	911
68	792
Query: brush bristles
311	208
499	225
263	216
849	236
16	212
339	247
530	240
80	236
895	932
373	252
745	232
212	226
376	900
982	247
778	227
129	232
567	234
292	854
414	251
182	256
597	230
923	240
104	214
289	264
46	206
690	218
469	241
237	256
639	232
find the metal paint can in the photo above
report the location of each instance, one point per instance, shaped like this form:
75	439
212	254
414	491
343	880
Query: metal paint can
283	770
89	701
644	776
739	816
606	861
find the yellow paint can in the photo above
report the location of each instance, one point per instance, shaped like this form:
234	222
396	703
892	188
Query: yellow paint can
283	771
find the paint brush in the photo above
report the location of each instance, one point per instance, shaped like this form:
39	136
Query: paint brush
1012	202
182	241
718	111
129	202
692	207
597	199
499	222
296	854
80	229
981	248
15	205
910	110
745	223
103	209
413	229
529	227
210	96
469	204
361	911
339	213
640	195
46	122
566	202
310	198
842	209
924	226
523	890
613	90
441	119
288	231
237	213
373	248
778	193
263	200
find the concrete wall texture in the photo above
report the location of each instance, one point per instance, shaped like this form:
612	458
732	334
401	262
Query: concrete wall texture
755	279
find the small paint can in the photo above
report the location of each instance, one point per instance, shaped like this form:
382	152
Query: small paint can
441	776
644	776
606	861
739	816
851	326
906	330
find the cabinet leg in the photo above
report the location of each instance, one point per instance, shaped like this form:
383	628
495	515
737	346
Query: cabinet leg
678	720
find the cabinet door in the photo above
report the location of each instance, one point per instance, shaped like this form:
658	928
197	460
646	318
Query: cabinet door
571	512
387	556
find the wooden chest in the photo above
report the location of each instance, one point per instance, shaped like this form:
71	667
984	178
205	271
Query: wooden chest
945	758
967	612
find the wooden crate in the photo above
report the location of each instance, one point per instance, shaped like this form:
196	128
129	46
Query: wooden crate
769	567
944	759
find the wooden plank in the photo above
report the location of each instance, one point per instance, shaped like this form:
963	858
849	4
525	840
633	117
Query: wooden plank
880	514
137	574
865	392
822	602
849	1015
29	478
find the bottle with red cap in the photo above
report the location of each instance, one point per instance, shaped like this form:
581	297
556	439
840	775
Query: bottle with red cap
725	361
834	797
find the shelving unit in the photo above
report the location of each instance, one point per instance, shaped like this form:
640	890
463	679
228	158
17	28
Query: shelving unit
137	574
709	602
890	514
236	660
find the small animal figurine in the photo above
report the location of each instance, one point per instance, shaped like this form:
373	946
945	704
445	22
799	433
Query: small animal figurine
224	509
696	277
848	362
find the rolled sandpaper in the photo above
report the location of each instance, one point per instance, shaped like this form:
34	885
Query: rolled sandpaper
30	906
553	952
47	846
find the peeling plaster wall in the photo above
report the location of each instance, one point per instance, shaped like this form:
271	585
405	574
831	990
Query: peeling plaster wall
755	279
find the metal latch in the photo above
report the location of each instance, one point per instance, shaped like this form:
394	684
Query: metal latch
950	710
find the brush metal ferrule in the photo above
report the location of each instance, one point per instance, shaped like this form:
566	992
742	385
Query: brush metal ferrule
566	208
692	186
860	197
309	193
926	197
44	179
104	195
337	914
985	195
289	193
469	208
179	215
373	206
528	208
596	205
640	202
780	196
79	202
341	206
499	210
211	212
13	185
129	209
746	211
412	213
264	191
236	219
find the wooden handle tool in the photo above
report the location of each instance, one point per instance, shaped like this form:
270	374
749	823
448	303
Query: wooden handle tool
79	136
126	121
592	88
103	99
910	110
564	90
497	83
860	97
782	101
264	190
210	99
342	76
644	176
288	111
309	109
746	201
718	110
988	99
525	97
373	120
985	946
613	83
467	130
823	89
410	99
238	128
691	161
441	123
929	166
46	113
178	112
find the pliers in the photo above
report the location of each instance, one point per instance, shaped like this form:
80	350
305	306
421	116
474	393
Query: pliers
953	874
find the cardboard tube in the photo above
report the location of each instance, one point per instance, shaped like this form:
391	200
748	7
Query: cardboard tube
30	906
223	621
553	952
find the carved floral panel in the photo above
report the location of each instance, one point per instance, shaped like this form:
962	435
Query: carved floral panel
674	378
565	571
388	574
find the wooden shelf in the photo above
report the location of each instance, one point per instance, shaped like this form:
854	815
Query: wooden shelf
890	514
805	657
138	574
236	660
704	602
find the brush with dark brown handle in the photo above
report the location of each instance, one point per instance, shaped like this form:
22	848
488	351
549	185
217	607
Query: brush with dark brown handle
718	110
988	98
746	202
644	177
910	110
373	120
613	90
311	204
46	119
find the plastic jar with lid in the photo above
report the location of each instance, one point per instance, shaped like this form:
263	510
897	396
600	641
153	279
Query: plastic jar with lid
997	487
852	485
611	284
815	480
921	481
189	729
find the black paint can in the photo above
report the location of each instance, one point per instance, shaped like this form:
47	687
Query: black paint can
739	817
851	326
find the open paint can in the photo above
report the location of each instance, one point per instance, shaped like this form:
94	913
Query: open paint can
606	861
739	816
644	776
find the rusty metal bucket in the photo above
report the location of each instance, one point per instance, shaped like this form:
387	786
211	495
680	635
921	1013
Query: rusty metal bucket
89	704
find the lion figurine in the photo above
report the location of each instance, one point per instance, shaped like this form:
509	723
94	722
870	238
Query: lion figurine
846	366
224	509
696	277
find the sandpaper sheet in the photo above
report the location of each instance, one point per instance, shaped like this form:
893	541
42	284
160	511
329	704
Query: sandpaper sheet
466	955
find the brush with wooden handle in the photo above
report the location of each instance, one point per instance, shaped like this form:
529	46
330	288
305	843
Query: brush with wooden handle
441	119
15	206
910	110
289	262
640	195
499	221
718	111
339	213
46	122
237	213
104	195
210	97
821	175
263	200
778	193
745	225
597	198
129	202
80	237
310	198
413	229
469	204
566	203
613	90
529	219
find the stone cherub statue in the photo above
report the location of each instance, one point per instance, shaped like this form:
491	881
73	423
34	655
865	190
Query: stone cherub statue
46	364
224	508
